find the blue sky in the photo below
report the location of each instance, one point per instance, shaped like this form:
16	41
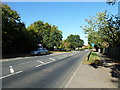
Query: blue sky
68	16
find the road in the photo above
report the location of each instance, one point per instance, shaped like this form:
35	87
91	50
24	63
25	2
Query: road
46	71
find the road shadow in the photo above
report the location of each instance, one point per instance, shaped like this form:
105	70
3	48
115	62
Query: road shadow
115	71
107	62
96	64
114	65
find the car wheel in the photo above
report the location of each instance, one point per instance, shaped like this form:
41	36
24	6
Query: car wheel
39	53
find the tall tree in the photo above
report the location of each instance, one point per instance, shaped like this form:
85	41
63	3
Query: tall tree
15	36
35	29
103	30
46	34
56	36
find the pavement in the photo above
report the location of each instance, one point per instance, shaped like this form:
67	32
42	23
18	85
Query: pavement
87	76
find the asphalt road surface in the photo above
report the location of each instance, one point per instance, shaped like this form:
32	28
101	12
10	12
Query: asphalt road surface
46	71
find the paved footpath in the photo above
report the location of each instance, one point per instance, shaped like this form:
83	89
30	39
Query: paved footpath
88	77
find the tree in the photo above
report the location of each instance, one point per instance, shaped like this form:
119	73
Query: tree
65	45
46	34
103	30
15	37
55	37
74	41
35	29
9	18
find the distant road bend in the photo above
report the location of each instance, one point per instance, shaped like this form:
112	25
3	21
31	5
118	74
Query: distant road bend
47	71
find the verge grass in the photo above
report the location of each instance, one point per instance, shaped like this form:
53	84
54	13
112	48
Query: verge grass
93	58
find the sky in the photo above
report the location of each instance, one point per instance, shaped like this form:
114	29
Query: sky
68	16
54	0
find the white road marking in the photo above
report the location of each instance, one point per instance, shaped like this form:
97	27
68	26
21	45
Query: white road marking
48	62
40	61
11	69
44	64
52	59
11	74
39	65
66	86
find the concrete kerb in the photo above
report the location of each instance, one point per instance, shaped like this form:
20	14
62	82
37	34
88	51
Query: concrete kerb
86	57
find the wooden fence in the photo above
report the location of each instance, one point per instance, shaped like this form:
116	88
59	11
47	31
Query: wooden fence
113	52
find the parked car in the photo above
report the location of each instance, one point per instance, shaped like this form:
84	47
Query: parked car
39	51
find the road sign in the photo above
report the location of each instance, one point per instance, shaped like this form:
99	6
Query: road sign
92	44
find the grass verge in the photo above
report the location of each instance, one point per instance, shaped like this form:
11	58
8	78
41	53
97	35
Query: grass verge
92	59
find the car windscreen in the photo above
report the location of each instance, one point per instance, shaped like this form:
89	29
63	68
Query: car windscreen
39	49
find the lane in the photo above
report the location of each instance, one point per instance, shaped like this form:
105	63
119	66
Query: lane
28	59
28	63
52	75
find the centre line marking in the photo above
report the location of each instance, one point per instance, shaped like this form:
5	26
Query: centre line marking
39	65
48	62
11	74
52	59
